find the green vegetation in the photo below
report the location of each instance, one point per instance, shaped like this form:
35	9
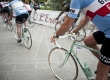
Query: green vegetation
53	5
56	4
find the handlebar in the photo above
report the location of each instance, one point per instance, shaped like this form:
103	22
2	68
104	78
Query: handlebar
64	36
73	34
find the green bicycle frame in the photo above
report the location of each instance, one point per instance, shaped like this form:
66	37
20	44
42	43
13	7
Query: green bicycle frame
71	50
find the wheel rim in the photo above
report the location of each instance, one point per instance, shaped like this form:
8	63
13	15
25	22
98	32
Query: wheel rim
27	39
67	72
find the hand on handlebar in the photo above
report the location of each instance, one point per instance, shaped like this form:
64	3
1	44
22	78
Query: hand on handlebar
73	31
53	39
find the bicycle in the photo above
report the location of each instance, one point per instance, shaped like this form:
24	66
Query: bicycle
62	61
8	23
32	18
25	35
81	34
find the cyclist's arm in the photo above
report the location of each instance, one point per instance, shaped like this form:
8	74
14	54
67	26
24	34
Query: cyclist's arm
82	23
75	7
62	11
65	26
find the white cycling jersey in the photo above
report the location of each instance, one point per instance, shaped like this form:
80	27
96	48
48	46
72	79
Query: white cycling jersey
98	11
4	4
18	7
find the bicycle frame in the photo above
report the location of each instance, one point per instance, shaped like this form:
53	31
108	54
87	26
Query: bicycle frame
71	50
22	30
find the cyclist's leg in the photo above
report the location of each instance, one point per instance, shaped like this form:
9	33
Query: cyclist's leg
25	16
93	39
9	15
4	17
18	25
104	63
4	11
102	71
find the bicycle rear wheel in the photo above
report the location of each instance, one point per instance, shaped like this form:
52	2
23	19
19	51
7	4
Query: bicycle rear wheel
68	71
27	38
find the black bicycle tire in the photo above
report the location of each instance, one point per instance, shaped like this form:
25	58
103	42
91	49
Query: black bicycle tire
76	75
30	38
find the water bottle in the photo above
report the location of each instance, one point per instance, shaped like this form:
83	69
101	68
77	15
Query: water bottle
87	70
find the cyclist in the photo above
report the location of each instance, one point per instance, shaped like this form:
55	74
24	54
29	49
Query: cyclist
5	9
66	8
28	7
20	11
34	5
100	16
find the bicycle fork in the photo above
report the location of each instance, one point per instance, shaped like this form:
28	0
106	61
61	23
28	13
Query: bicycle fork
66	58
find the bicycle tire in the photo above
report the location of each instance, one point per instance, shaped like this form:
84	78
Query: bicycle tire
80	35
67	72
27	38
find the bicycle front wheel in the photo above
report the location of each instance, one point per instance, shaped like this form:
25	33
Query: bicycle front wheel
27	38
68	71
